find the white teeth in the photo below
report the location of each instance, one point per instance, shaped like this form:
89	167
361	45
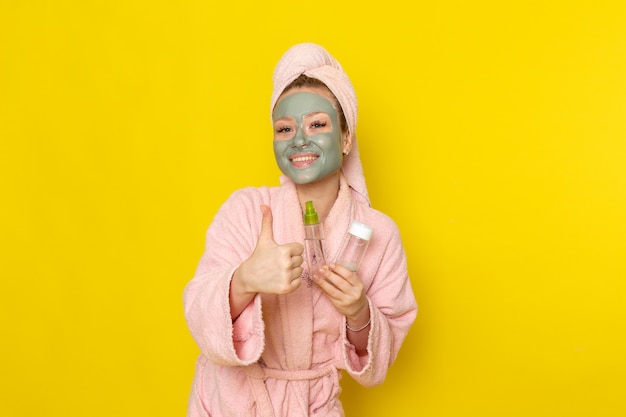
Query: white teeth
304	158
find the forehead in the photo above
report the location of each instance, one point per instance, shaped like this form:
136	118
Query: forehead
300	102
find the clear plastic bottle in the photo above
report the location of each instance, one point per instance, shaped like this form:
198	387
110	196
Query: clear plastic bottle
354	245
313	236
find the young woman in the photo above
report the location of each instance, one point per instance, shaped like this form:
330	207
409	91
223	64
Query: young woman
274	336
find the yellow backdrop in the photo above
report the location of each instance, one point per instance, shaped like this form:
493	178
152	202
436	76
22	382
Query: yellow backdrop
493	132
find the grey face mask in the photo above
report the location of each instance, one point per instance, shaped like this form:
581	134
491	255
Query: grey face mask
305	150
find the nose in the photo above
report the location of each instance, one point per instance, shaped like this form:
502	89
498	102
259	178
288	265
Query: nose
301	139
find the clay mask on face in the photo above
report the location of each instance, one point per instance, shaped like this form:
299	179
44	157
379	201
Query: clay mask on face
307	137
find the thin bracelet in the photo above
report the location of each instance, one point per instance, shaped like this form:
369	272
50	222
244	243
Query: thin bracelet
360	328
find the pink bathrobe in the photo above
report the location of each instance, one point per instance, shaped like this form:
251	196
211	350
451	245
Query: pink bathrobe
283	356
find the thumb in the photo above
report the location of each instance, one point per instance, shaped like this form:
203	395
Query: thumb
267	224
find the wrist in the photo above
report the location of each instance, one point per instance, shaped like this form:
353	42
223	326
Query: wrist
238	284
238	297
358	329
360	318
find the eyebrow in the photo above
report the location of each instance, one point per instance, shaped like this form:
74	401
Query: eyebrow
312	114
315	113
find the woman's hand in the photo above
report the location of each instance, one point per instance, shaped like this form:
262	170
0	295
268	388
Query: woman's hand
272	268
345	290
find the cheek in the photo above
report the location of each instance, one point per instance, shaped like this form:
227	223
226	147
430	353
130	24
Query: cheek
280	145
330	143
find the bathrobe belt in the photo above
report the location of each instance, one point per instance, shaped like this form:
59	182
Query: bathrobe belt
257	375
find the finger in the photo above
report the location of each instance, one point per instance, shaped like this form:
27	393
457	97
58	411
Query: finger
295	248
341	271
290	287
267	223
296	260
327	287
297	272
295	284
330	283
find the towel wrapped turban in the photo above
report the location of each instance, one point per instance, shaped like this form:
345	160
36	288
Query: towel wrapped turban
315	62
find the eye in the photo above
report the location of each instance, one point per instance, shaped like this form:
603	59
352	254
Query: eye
318	124
283	129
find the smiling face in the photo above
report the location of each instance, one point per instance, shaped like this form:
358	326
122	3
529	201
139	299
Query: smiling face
308	142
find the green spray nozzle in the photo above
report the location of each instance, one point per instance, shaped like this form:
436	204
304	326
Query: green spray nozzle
310	216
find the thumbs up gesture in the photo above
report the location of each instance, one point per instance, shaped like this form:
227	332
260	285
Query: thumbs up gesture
272	268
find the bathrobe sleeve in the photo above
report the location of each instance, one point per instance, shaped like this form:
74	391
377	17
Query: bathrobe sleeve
230	240
392	308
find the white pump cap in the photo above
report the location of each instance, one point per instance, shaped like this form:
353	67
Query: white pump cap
361	230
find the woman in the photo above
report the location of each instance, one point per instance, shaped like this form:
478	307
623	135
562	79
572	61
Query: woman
271	346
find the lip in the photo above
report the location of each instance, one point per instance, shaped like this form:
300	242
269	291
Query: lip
303	159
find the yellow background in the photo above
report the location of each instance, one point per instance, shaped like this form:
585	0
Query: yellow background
493	132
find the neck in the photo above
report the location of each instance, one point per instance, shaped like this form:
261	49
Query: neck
323	193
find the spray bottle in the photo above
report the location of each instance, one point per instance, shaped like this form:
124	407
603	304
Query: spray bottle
313	236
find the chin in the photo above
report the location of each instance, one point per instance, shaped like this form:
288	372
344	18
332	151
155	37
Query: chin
303	181
302	177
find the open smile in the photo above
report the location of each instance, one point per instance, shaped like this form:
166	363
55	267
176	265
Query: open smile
303	160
